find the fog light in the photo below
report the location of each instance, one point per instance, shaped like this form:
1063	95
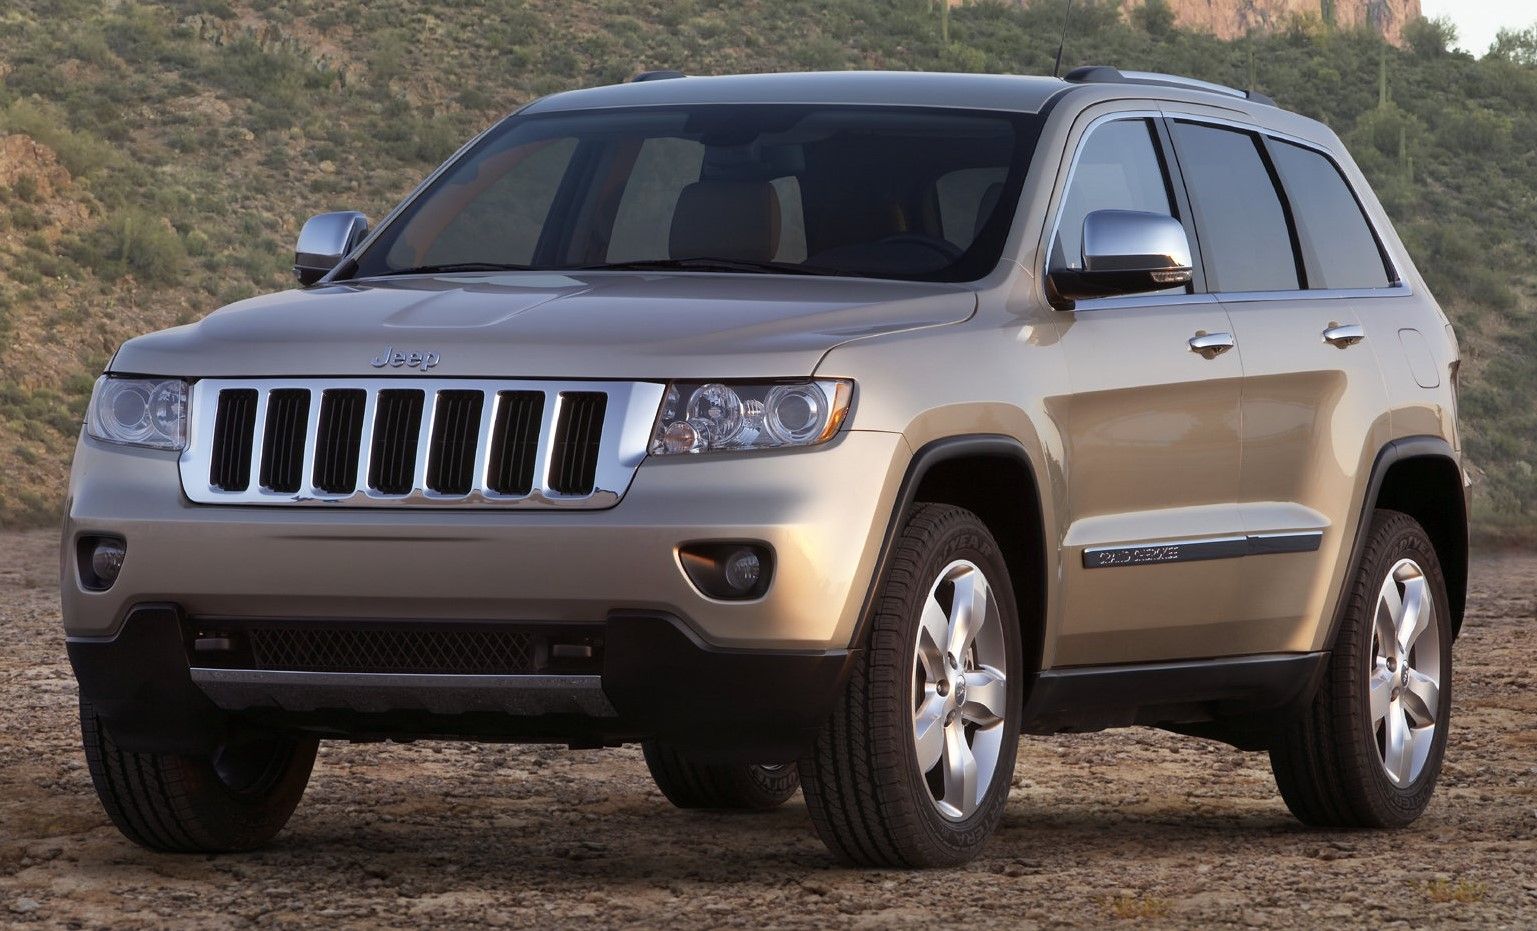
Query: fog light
101	561
743	569
728	571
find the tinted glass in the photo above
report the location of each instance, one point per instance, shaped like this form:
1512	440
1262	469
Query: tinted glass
502	216
1338	248
889	192
1118	169
1245	242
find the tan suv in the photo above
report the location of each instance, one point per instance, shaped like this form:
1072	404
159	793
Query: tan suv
827	430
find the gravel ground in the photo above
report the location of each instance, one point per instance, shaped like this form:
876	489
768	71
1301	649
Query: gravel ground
1127	827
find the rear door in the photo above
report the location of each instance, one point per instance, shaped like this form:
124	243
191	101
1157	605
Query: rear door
1152	429
1290	257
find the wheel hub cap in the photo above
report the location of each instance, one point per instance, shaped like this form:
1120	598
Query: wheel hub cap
1405	678
960	689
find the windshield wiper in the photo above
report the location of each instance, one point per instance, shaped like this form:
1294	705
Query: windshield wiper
458	267
705	264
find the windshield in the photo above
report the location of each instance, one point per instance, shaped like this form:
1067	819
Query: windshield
885	192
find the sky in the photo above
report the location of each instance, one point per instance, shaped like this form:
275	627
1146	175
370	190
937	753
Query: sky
1478	20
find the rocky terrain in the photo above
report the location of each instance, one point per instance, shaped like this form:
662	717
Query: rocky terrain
1230	19
1124	828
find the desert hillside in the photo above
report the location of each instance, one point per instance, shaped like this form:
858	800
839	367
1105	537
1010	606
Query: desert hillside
156	160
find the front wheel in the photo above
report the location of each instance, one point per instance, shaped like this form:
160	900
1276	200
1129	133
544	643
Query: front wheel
912	769
1367	751
235	798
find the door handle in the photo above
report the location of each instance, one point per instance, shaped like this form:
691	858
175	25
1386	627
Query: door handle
1342	335
1211	345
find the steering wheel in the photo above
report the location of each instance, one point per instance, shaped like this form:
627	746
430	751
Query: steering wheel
944	247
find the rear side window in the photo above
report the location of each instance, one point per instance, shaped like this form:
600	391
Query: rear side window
1245	240
1118	168
1338	247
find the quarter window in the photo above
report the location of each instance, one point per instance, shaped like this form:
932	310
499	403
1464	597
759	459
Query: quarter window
1245	239
1338	247
1118	168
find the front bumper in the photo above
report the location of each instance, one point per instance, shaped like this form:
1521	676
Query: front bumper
823	511
655	680
751	679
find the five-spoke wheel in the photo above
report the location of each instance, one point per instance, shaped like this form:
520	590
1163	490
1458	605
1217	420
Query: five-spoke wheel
1367	750
913	765
960	689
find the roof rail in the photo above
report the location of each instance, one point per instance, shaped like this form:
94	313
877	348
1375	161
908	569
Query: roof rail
657	76
1103	74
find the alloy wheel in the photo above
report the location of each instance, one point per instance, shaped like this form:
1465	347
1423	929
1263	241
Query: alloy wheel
960	689
1405	677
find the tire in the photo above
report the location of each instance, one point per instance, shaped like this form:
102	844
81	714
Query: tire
177	803
1332	761
870	798
691	783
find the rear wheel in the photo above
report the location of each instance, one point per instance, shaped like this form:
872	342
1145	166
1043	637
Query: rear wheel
1368	750
692	783
235	798
913	767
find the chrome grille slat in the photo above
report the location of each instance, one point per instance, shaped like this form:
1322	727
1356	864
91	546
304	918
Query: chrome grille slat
476	443
395	422
282	450
515	442
234	429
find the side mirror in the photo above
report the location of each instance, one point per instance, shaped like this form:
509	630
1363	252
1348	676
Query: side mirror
324	241
1124	252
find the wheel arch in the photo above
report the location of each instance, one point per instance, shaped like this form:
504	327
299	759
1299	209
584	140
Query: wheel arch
992	476
1419	476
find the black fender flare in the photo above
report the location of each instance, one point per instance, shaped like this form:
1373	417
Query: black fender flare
931	454
1396	451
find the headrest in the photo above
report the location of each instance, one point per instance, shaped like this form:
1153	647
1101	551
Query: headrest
986	206
726	220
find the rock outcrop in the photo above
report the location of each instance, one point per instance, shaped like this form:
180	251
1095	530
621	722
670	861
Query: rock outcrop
1232	18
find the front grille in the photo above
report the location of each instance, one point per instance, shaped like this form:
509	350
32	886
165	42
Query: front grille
336	440
391	649
232	431
397	428
397	443
455	433
576	442
515	441
288	417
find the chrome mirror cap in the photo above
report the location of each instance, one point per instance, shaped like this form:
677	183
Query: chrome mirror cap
324	241
1125	252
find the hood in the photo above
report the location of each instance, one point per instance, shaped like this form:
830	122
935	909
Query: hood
547	325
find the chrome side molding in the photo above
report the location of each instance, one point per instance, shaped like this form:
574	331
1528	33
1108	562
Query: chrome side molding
1233	547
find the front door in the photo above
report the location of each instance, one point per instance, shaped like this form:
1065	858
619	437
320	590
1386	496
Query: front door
1152	432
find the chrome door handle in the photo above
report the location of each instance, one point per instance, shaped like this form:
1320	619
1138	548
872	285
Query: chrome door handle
1211	345
1342	335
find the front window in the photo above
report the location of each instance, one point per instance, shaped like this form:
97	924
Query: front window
882	192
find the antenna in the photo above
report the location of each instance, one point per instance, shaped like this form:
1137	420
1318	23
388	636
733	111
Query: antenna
1067	17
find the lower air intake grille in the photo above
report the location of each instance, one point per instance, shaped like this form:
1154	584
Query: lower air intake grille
386	649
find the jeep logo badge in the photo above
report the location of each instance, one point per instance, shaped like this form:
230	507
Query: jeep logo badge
412	360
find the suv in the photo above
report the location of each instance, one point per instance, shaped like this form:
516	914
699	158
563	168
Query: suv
817	430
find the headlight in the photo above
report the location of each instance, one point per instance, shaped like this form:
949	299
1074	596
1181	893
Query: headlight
731	416
139	412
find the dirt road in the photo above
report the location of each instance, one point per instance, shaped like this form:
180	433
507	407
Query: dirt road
1128	827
